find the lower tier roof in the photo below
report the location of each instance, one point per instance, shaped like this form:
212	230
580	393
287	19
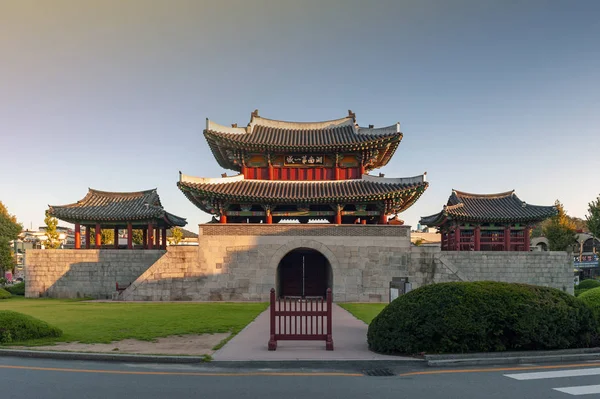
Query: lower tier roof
203	192
488	208
117	208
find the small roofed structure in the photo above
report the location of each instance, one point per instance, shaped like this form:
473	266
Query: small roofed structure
119	210
487	222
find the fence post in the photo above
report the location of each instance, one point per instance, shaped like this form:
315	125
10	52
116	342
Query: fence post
329	341
272	341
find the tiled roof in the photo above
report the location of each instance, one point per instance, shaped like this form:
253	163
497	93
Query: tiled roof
488	208
238	189
102	206
263	134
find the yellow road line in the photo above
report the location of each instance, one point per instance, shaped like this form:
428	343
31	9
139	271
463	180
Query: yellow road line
197	374
487	370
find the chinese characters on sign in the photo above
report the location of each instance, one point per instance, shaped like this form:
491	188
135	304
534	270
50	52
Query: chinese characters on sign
304	160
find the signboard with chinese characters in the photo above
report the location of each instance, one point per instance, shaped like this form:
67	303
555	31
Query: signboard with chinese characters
305	160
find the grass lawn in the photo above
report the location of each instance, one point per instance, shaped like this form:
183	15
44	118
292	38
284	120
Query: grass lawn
364	311
103	322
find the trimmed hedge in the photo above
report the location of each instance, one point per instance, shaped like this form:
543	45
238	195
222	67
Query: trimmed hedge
482	316
592	299
20	327
587	284
4	294
17	289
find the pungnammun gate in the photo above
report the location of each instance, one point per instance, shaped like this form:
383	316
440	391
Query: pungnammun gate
304	212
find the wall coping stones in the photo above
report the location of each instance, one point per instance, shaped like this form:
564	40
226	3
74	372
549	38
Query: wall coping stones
312	229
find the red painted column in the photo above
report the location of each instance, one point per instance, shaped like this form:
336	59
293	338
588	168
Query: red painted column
87	237
116	234
150	235
98	235
507	238
244	170
145	238
382	218
337	173
362	169
270	172
457	237
478	238
527	238
164	238
363	221
269	217
157	237
338	214
223	218
129	236
77	236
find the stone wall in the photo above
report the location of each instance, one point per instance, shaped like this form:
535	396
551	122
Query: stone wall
549	269
239	262
71	273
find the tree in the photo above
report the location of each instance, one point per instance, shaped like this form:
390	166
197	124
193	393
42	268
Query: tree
53	240
137	237
560	231
593	217
107	236
9	227
9	230
177	235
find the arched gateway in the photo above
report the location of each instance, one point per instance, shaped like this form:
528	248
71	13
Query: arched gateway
304	272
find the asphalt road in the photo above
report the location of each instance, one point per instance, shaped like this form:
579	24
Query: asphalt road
41	378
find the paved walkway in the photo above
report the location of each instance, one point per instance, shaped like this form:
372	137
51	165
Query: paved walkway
349	341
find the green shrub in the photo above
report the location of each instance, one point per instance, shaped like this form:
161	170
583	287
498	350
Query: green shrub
17	289
19	327
587	284
592	299
481	316
4	294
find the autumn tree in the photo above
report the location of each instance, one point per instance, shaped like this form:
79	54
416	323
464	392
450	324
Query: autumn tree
560	231
107	236
177	235
137	237
53	239
9	230
593	217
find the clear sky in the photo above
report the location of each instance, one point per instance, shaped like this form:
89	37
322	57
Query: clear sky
113	94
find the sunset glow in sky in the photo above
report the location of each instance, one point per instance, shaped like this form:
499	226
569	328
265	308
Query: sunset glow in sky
113	94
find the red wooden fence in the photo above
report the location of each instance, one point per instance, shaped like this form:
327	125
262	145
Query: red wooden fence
301	320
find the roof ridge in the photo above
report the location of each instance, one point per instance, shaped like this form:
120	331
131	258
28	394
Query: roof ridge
108	193
472	195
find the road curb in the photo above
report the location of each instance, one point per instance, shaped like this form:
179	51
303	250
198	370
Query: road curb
224	364
504	358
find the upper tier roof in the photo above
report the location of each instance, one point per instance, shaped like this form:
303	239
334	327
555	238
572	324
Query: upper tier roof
264	134
117	208
488	208
202	191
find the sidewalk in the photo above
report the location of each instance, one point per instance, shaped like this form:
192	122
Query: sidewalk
349	341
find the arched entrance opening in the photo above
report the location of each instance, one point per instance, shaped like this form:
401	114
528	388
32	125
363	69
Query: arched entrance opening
302	273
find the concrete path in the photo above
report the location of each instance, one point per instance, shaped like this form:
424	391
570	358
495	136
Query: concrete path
349	340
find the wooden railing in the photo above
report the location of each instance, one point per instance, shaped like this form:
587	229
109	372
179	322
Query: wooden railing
306	319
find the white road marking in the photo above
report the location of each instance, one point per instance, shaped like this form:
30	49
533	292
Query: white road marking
582	390
553	374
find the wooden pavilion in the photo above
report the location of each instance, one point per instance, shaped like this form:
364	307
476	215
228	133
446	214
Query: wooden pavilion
116	210
303	171
487	222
